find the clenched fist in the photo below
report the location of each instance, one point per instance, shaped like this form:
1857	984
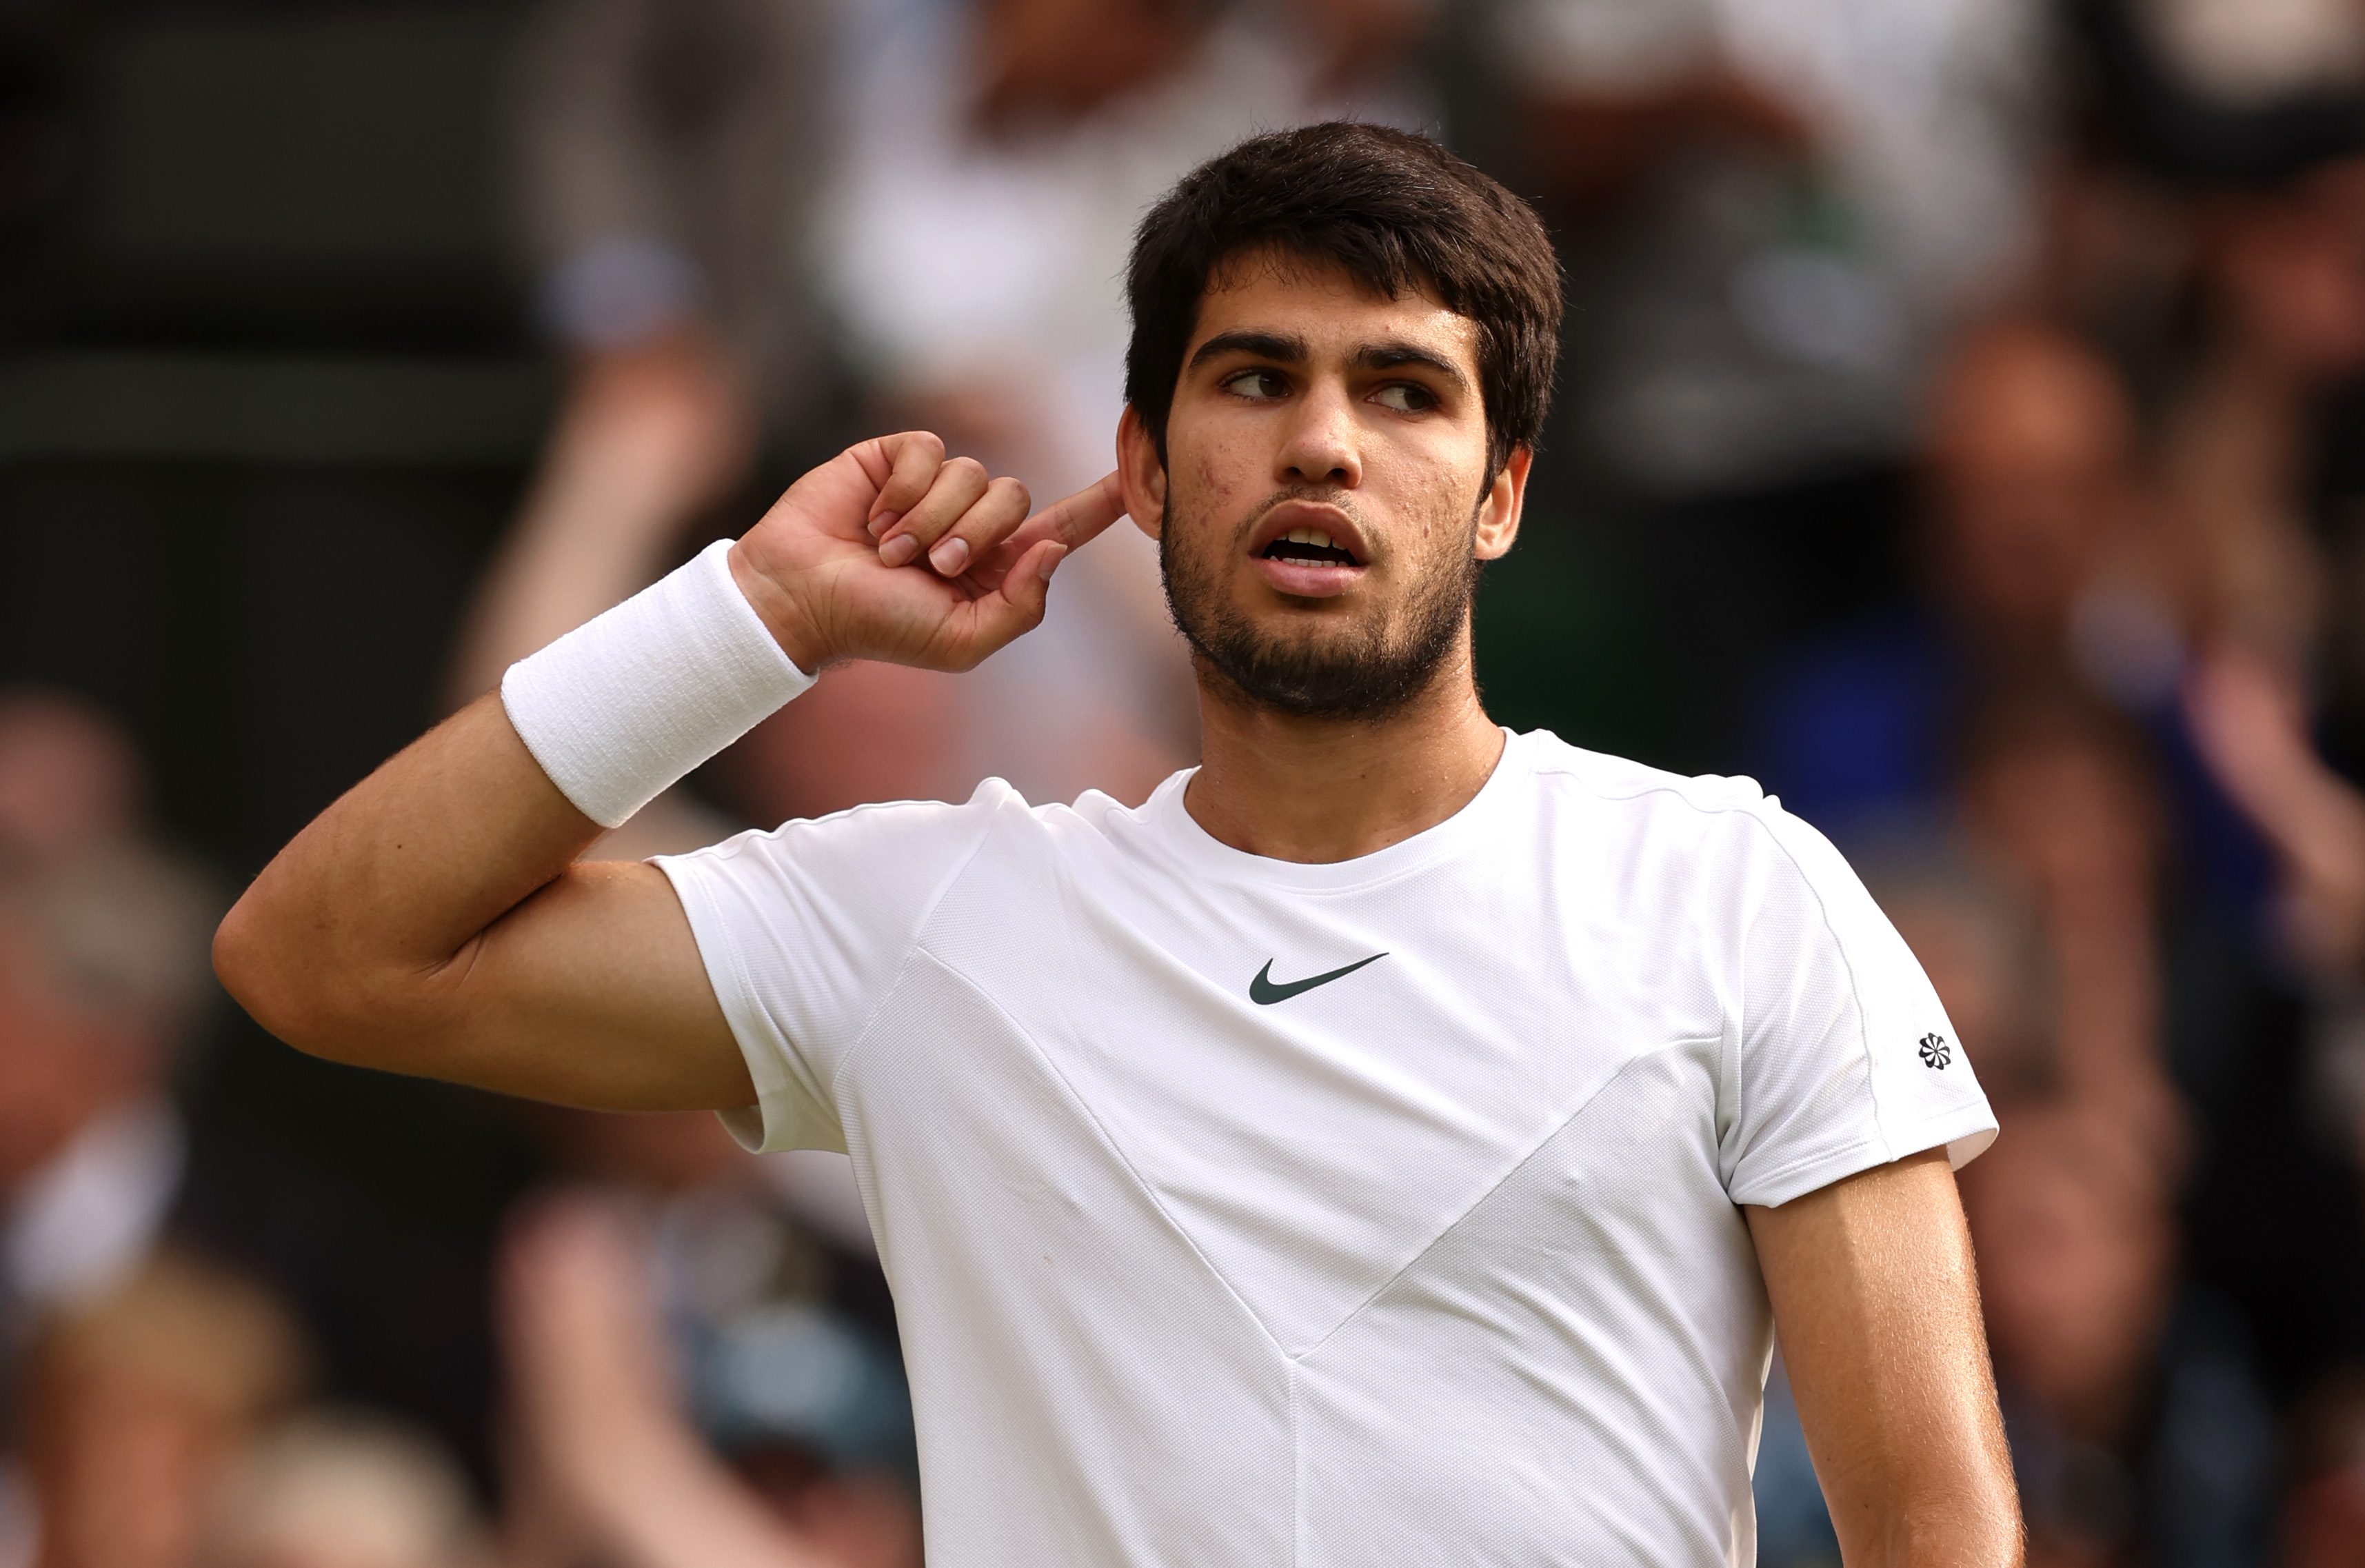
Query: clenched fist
890	551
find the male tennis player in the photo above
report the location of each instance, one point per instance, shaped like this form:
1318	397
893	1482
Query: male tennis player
1379	1148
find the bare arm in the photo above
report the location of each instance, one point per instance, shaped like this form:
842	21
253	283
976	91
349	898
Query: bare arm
434	920
1876	1305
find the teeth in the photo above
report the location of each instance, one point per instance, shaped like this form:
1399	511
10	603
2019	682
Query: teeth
1308	536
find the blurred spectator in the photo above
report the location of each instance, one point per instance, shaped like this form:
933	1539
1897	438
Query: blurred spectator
69	780
343	1490
137	1404
2034	556
2060	794
1824	191
665	154
2138	1431
2252	730
102	965
2284	274
608	1463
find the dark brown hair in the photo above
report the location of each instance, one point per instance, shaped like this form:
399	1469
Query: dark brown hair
1399	212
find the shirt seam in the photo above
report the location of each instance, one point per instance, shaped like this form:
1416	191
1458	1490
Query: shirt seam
1878	1142
1185	864
914	945
733	847
1479	1202
1755	811
1875	1141
1194	864
1100	1131
1856	986
743	982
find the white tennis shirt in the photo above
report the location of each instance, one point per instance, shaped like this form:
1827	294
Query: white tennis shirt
1245	1212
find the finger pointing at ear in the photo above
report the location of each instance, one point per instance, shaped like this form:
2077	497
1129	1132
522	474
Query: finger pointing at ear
1078	520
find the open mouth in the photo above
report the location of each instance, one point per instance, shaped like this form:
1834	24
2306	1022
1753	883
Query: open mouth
1309	547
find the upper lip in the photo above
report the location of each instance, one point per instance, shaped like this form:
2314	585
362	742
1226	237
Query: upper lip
1329	519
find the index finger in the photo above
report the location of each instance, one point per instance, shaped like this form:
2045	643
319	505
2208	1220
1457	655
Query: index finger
1080	516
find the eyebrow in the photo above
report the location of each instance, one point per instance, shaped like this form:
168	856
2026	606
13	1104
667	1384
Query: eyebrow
1286	350
1263	345
1391	355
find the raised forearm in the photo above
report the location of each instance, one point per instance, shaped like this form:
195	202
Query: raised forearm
436	921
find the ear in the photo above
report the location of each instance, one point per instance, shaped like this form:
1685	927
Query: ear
1498	519
1140	474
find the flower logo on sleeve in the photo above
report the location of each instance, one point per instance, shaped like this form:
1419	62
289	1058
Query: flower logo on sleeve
1936	1052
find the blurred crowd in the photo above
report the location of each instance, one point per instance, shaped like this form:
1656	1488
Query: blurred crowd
1962	431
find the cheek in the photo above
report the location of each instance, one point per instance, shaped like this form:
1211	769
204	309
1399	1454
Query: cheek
1210	484
1440	501
1213	482
1436	478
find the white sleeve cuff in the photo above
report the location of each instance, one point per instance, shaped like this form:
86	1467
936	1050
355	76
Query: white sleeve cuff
621	708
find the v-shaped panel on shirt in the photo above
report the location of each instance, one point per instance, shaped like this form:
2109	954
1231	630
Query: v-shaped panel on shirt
1308	1156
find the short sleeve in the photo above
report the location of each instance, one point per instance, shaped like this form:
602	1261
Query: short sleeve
803	931
1845	1059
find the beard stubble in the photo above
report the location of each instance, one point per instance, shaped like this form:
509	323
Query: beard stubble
1364	671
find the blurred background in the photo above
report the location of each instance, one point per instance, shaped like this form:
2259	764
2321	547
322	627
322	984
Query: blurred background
1962	431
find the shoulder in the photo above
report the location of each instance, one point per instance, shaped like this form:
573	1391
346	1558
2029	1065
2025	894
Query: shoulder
1708	830
902	849
1570	777
1601	776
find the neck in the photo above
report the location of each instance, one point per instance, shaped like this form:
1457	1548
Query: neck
1320	790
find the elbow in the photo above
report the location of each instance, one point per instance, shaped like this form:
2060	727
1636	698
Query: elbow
263	970
242	955
301	994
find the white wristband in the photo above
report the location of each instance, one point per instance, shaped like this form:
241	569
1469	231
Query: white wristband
622	706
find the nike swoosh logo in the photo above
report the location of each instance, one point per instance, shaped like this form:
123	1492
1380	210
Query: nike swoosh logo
1264	992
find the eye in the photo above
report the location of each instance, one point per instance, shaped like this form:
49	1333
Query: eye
1257	386
1405	397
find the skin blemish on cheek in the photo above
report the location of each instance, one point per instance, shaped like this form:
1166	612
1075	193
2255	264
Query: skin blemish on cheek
1213	482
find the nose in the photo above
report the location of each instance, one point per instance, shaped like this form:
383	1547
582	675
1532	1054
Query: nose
1320	447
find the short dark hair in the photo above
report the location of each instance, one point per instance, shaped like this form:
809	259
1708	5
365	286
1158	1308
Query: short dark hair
1399	212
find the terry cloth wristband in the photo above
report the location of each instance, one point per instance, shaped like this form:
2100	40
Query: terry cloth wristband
624	705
